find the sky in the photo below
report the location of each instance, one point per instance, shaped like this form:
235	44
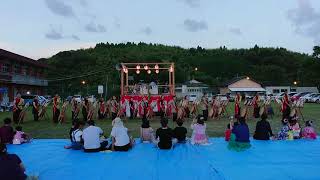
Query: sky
42	28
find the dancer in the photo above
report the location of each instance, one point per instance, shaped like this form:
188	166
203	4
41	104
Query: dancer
35	108
85	109
285	107
114	107
17	108
56	108
237	105
204	107
256	107
185	106
102	109
62	117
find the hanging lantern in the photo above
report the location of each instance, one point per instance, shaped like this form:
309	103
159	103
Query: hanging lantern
138	67
149	71
125	70
138	71
146	67
156	66
157	71
171	69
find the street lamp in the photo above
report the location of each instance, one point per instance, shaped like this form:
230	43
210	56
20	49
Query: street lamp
248	78
83	82
295	82
196	69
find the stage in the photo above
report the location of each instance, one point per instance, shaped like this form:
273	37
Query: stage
297	159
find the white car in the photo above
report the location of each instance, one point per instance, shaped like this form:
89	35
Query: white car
78	98
192	98
279	96
308	97
315	99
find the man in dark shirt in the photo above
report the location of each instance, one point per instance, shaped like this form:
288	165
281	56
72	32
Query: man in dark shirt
180	132
6	132
11	166
165	135
263	129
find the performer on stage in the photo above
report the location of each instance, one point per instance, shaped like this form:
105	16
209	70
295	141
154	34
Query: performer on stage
237	105
285	107
85	109
35	108
204	107
256	107
56	108
102	109
114	107
17	108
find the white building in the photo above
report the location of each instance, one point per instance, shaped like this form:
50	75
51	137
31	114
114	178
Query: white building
281	89
191	88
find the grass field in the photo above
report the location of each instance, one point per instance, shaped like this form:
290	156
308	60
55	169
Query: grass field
215	128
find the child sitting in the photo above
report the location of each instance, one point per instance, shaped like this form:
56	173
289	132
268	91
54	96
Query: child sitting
199	136
146	132
239	140
283	134
20	137
227	133
309	132
295	128
76	137
180	132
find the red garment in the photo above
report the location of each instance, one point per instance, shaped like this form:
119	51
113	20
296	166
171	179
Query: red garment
285	102
255	101
227	134
55	104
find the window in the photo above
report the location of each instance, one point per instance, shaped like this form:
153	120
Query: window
5	68
24	70
293	90
17	68
283	90
275	91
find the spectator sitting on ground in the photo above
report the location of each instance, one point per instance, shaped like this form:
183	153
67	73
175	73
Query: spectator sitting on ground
309	132
199	136
120	138
6	132
263	129
146	132
180	132
164	135
11	166
239	140
294	127
91	138
76	137
20	137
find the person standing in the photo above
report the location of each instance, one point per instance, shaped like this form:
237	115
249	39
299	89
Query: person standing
17	108
255	104
85	109
102	109
35	108
237	105
285	107
204	107
114	107
56	108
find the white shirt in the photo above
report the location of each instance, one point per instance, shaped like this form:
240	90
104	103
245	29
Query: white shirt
76	135
91	137
121	136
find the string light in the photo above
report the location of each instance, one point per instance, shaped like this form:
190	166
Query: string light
146	67
171	69
138	67
149	71
138	71
156	66
157	71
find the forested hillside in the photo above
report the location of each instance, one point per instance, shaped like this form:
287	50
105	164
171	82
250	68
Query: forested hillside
270	66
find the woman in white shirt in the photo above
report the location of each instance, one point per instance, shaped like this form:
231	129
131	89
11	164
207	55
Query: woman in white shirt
120	138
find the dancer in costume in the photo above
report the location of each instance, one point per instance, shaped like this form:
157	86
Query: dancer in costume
85	109
285	107
237	105
17	108
102	109
56	108
35	108
256	107
114	107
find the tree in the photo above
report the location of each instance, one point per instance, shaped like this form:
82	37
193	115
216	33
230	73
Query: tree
316	52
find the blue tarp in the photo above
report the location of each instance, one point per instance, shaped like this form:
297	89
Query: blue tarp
299	159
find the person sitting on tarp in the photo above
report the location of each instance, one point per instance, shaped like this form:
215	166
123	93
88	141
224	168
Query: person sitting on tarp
239	140
283	133
76	136
11	166
6	132
180	132
294	127
164	135
91	138
146	131
309	132
120	137
263	129
199	136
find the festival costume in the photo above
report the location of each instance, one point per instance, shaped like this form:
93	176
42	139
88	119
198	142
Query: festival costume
256	108
237	106
85	109
35	109
285	108
56	110
102	110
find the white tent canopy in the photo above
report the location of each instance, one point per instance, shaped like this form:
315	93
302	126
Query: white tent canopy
247	89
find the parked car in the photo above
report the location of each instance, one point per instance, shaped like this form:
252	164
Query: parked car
316	99
192	98
78	98
309	98
298	95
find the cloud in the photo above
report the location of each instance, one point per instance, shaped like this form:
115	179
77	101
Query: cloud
54	34
236	31
116	23
75	37
146	30
305	20
83	3
58	7
96	28
192	3
194	25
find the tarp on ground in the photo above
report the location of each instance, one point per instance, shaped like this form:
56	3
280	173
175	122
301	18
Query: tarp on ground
299	159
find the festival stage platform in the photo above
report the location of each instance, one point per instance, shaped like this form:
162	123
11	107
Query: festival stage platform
297	159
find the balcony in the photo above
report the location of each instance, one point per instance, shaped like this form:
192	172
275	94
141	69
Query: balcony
28	80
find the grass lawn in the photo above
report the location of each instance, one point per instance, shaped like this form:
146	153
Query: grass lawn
215	128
